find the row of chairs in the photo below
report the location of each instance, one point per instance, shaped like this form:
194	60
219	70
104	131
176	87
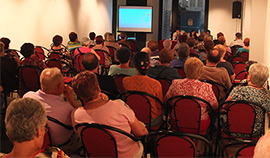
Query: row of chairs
185	121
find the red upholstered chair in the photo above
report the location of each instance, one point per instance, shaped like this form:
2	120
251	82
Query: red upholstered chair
175	144
139	102
165	83
104	68
217	87
63	66
112	51
237	121
181	71
234	49
244	54
243	149
185	113
28	78
240	70
41	52
47	139
239	58
118	79
99	140
78	63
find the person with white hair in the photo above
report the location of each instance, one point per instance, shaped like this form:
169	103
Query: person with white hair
258	74
25	123
52	87
85	48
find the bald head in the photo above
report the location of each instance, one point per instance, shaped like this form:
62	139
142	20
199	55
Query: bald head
213	56
52	81
90	61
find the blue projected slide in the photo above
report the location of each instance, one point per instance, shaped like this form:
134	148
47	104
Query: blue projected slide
135	19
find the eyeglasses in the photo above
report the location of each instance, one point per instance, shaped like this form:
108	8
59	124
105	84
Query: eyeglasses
46	128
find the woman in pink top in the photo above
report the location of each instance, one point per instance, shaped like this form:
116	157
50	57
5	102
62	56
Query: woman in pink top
99	109
193	87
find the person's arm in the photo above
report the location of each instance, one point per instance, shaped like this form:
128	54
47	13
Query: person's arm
68	91
138	129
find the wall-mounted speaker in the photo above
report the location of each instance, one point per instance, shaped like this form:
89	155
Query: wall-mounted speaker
237	10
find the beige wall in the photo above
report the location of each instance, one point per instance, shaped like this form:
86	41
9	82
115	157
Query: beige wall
37	21
220	19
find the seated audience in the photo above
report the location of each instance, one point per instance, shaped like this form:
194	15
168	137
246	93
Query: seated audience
191	43
223	63
9	52
27	50
176	34
216	74
258	74
8	71
154	60
183	54
106	83
100	45
200	44
85	48
99	109
208	34
123	55
192	86
153	45
238	40
110	42
182	39
262	147
245	48
167	44
52	87
123	40
163	70
141	82
207	46
193	34
25	127
222	41
57	47
74	42
92	37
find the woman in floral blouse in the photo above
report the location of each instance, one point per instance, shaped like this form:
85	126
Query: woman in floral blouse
254	92
192	86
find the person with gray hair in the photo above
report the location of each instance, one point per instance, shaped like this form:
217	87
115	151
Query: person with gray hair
258	74
183	54
25	123
85	48
52	87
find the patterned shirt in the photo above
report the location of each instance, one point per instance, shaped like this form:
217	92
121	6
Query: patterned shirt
260	96
33	62
195	88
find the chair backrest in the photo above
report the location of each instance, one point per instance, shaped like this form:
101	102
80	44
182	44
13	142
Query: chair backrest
54	55
54	63
47	143
175	144
239	58
241	116
242	148
28	78
99	140
181	71
40	52
241	75
118	79
234	49
100	52
139	102
112	51
165	83
186	113
244	54
246	151
133	45
217	87
78	62
238	67
228	56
